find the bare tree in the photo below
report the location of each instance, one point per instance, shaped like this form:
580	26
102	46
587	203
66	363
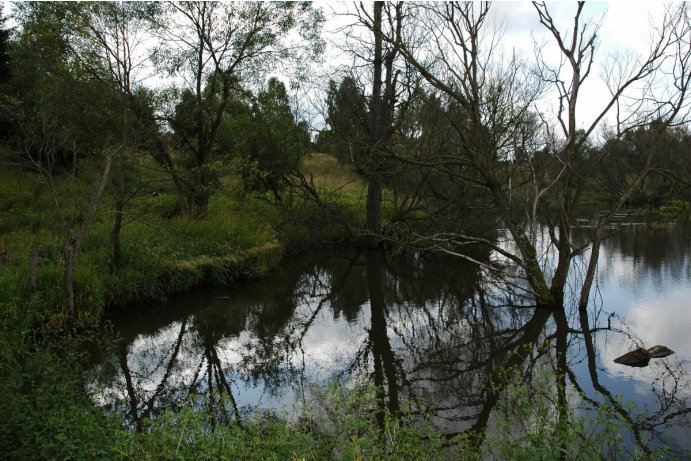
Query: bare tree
634	82
491	99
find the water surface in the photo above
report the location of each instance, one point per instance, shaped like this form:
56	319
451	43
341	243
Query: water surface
436	329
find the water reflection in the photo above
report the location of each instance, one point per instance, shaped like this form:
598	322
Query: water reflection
425	329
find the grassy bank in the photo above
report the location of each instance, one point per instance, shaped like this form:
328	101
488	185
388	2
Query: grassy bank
242	236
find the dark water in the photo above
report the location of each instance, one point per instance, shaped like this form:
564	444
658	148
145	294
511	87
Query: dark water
438	329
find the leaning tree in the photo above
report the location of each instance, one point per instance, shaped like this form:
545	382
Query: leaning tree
519	153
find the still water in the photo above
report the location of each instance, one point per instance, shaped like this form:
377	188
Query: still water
436	329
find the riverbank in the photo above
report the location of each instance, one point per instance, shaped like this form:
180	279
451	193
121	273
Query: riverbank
48	412
45	410
161	252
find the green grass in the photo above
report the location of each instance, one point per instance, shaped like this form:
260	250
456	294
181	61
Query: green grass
46	413
328	174
241	237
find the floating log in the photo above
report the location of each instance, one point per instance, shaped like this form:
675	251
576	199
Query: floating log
636	358
640	357
657	352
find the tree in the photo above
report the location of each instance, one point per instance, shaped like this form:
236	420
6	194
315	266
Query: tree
670	48
493	99
619	160
62	117
347	120
382	104
108	42
490	100
212	46
278	141
53	96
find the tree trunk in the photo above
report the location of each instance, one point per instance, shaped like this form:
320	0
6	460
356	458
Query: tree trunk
592	264
561	273
375	187
526	248
116	257
69	280
604	220
375	180
75	241
198	205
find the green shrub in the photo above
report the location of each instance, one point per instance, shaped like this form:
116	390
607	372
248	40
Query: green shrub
676	210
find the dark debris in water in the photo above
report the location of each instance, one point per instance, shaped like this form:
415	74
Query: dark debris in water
641	357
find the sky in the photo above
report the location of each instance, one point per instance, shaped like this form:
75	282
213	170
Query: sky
625	28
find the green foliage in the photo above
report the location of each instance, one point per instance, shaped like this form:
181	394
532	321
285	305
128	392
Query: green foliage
61	114
676	210
349	420
347	118
615	165
277	142
249	36
186	435
532	422
44	409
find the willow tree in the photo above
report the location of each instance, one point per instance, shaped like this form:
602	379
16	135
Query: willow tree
504	142
212	48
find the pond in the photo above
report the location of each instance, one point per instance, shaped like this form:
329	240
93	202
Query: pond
437	330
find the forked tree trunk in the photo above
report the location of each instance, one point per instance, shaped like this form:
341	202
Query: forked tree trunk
381	115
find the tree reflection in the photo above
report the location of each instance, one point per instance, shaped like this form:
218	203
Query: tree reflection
385	375
670	379
419	328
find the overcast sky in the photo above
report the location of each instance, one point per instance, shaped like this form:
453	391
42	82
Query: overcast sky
625	28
